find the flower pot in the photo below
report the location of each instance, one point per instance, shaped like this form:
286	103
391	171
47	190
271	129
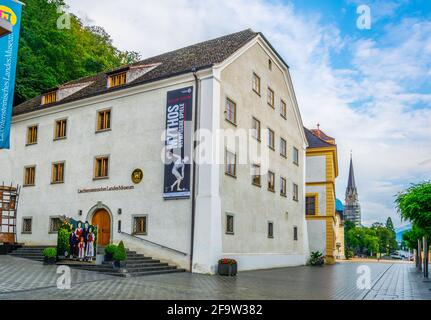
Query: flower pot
49	260
227	269
119	264
109	256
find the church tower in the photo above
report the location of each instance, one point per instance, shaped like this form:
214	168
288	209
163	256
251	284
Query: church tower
352	208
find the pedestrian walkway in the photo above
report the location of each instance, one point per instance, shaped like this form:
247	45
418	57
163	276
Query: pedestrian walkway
25	279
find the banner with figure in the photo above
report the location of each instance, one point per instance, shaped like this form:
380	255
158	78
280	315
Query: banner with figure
10	11
178	141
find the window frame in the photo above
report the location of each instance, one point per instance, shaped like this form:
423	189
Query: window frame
256	132
56	122
271	133
23	224
137	216
254	166
107	167
226	171
98	112
52	95
231	101
283	154
283	111
27	142
50	230
271	176
25	184
295	160
63	163
270	230
118	75
295	233
258	82
270	100
295	192
283	182
316	204
227	216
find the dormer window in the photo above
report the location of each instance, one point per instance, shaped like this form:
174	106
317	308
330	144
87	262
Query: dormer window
116	80
49	97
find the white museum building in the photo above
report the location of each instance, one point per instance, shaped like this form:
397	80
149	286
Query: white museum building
92	150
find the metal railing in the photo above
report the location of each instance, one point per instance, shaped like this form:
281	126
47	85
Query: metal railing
153	243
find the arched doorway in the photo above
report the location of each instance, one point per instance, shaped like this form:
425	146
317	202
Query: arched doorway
102	219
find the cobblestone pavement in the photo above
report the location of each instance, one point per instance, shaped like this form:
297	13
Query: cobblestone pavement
25	279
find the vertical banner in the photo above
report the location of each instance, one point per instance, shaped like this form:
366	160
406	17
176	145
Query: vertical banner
178	143
10	13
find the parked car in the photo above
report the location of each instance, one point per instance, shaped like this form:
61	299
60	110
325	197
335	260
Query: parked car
396	256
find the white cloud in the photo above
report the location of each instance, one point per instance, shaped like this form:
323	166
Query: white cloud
389	135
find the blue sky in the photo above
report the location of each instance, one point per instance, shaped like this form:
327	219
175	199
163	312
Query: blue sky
370	89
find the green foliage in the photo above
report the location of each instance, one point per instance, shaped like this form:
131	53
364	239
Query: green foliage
411	237
386	237
316	258
63	245
49	56
414	204
120	253
50	252
111	248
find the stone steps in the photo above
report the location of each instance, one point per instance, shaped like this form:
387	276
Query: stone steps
136	264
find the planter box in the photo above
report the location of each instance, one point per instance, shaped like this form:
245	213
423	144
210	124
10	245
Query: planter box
51	260
109	256
227	269
119	264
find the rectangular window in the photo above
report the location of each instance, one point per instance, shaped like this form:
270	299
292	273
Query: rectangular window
295	233
230	159
26	225
229	224
295	156
283	109
270	98
283	187
54	224
270	230
117	79
50	97
271	181
101	167
29	176
230	111
295	192
104	120
57	175
283	148
32	135
271	139
256	129
60	129
140	225
255	175
256	83
311	205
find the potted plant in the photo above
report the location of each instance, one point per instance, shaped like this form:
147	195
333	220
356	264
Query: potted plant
49	255
109	251
316	259
120	256
227	267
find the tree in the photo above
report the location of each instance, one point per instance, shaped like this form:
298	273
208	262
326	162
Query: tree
390	225
49	56
414	204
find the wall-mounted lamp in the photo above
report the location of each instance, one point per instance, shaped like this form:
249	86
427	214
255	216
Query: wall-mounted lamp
119	211
80	212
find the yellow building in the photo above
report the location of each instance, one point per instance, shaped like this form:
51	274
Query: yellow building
324	224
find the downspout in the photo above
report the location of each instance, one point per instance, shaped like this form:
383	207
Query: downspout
194	166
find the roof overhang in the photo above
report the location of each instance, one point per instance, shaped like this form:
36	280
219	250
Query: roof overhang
5	27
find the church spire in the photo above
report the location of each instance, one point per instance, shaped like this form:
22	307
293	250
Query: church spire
351	185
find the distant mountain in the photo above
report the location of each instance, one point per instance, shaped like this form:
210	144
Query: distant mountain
400	230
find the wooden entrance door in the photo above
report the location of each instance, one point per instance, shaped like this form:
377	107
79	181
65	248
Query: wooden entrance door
102	219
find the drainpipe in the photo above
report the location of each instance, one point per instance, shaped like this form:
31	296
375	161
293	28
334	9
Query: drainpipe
194	167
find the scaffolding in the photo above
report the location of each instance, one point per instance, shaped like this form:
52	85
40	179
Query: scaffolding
8	213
